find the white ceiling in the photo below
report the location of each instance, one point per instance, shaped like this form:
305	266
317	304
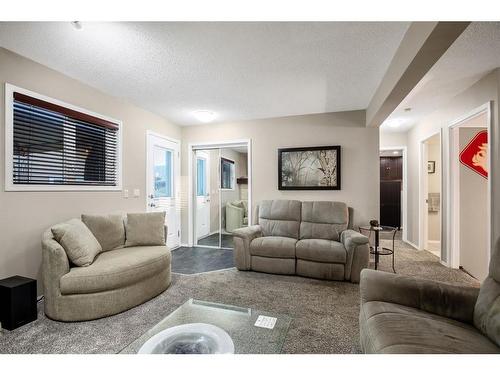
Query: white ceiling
473	55
238	70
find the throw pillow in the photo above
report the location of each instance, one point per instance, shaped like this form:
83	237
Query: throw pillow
108	229
78	241
145	229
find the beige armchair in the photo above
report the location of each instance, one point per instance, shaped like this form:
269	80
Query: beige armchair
236	215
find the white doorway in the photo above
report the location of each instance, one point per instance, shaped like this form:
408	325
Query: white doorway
202	193
470	193
163	183
431	195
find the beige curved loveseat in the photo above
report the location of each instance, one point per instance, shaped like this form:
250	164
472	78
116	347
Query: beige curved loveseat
117	280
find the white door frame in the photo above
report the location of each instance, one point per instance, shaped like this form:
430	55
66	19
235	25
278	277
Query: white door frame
405	187
423	192
191	178
177	186
453	186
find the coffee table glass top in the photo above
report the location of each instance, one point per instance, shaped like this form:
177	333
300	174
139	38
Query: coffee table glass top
238	322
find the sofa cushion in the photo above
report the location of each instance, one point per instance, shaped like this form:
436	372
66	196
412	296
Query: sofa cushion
324	251
145	229
80	244
324	220
487	309
392	328
115	269
108	229
280	218
273	247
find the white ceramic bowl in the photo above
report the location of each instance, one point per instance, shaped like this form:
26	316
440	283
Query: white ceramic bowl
195	338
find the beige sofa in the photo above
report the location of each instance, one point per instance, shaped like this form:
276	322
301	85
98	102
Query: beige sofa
309	239
401	314
118	279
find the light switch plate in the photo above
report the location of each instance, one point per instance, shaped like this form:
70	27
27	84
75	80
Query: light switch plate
137	192
125	193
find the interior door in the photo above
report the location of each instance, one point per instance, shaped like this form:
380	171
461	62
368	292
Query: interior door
202	194
391	178
163	177
390	203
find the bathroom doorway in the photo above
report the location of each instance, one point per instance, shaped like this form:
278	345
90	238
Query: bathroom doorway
431	172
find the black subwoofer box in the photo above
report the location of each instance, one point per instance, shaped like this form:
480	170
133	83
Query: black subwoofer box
17	301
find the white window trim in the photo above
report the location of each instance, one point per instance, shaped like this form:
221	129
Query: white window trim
234	174
9	146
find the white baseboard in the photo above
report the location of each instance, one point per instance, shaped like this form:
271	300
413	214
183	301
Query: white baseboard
411	244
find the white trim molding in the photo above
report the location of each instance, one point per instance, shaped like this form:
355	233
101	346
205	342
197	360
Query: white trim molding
9	146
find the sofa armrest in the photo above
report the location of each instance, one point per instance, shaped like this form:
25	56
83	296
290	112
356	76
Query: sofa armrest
55	264
358	253
447	300
242	238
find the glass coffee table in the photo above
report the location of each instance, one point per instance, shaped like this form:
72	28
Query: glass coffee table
238	322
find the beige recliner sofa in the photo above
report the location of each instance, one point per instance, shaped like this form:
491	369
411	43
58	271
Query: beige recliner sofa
309	239
117	280
401	314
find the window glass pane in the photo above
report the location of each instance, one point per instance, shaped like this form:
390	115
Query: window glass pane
201	179
227	174
163	172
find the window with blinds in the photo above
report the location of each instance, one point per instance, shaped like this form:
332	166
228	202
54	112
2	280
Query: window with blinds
57	146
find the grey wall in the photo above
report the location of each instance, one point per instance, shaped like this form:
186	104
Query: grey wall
25	215
359	165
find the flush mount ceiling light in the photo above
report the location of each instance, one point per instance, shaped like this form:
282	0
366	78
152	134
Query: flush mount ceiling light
394	123
77	25
204	116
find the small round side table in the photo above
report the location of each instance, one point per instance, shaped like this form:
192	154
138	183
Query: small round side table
376	249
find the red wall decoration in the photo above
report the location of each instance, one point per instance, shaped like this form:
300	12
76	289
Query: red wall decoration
475	154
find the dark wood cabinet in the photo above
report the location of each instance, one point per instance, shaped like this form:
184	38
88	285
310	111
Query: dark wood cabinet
391	176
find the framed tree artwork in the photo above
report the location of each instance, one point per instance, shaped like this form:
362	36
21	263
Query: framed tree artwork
309	168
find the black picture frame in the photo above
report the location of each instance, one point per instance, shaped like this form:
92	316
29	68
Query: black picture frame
283	151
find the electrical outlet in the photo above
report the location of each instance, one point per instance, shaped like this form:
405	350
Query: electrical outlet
125	193
137	193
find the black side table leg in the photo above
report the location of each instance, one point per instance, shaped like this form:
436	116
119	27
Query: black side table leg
376	248
393	254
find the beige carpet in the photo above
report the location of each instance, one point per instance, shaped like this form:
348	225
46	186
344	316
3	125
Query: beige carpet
325	314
